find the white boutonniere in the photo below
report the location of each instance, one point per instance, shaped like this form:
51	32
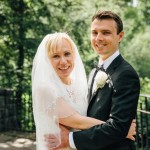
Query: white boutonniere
100	79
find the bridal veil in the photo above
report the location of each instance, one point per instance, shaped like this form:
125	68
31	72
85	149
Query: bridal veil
51	99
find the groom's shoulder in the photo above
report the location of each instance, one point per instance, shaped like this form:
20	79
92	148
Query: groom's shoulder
126	66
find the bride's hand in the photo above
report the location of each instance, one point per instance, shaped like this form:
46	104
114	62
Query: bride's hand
52	141
132	131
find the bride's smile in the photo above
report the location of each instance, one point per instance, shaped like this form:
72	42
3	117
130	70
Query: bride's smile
62	60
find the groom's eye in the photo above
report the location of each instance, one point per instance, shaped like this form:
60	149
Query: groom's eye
94	33
106	33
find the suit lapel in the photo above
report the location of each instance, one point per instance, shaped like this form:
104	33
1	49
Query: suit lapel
92	96
110	70
115	63
91	83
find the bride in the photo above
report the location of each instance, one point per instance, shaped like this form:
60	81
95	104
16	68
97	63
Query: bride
59	89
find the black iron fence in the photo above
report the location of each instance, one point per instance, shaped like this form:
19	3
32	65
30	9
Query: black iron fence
8	117
17	115
143	123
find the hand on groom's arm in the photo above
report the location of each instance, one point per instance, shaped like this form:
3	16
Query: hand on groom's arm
67	137
51	140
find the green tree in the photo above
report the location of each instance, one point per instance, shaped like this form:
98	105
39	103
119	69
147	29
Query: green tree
23	25
138	54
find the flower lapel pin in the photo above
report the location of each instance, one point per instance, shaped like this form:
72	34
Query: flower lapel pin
100	79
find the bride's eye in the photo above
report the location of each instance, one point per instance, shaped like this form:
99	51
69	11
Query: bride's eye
67	54
55	56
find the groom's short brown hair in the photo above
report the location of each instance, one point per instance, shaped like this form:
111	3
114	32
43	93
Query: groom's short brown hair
102	15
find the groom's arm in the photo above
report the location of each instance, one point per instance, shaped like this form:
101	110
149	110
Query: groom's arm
123	110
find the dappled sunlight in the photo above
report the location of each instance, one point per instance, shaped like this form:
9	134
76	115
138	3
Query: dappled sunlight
4	145
17	143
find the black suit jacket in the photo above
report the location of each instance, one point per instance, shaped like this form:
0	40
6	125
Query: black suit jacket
115	103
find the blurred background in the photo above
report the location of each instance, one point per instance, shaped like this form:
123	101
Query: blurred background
24	23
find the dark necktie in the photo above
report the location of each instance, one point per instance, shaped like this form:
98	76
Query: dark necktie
92	82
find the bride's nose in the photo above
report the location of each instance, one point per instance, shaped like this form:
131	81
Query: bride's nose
63	60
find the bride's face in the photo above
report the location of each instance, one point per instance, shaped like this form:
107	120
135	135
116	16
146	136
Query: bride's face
62	61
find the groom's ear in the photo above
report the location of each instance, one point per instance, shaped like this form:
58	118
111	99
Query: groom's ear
121	35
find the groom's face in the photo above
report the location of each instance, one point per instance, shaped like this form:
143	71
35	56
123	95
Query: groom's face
104	37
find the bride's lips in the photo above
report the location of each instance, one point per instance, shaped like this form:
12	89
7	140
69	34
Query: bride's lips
63	69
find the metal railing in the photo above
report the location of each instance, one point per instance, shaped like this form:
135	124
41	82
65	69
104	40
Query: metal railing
16	115
143	123
8	118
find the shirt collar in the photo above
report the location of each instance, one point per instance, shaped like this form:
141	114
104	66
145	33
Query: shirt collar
109	60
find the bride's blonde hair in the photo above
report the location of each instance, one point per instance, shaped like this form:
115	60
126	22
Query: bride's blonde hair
55	41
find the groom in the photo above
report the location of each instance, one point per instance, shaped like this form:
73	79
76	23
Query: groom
115	102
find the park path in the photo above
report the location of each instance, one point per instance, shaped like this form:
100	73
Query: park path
17	141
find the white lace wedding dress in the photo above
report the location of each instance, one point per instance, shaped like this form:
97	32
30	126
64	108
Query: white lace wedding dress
45	118
80	107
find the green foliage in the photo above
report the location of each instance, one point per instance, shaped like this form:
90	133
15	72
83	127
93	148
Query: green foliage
145	85
136	42
24	23
138	54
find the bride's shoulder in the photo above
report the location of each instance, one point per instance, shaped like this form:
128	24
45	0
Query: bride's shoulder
43	87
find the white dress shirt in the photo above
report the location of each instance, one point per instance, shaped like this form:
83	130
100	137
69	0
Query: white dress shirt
105	64
109	60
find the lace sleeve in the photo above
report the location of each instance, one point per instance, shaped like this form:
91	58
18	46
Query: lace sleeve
49	103
47	109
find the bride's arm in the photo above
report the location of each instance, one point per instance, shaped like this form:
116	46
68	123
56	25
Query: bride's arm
82	122
77	121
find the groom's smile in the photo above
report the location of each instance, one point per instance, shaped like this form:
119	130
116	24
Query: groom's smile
104	37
